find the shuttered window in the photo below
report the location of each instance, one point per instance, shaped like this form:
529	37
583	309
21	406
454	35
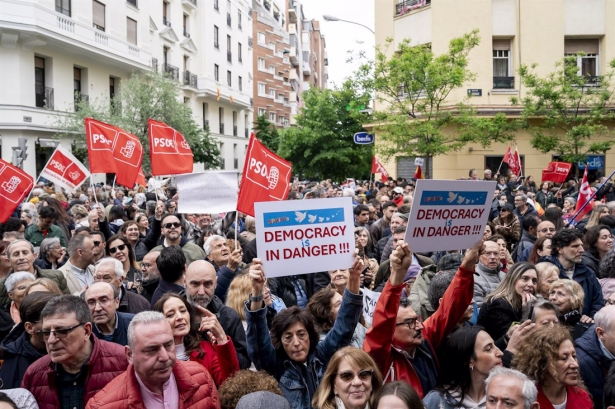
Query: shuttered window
98	15
131	31
575	46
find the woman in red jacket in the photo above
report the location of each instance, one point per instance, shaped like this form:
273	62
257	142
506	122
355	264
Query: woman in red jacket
218	356
549	357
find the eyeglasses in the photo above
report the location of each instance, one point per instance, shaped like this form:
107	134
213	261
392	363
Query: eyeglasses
169	225
145	266
44	335
411	322
106	278
97	243
105	302
121	247
363	375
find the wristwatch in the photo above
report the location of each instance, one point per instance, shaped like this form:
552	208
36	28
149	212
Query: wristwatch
256	299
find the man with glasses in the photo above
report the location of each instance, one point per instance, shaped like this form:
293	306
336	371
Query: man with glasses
78	364
150	276
110	270
488	272
44	228
78	270
99	246
172	233
522	208
544	229
103	300
401	344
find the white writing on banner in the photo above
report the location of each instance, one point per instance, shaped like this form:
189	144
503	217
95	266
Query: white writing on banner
370	299
300	237
65	170
448	215
207	192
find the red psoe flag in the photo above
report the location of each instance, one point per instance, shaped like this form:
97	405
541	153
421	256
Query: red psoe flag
378	168
15	184
65	170
585	194
512	160
266	177
556	172
141	179
113	150
169	151
418	173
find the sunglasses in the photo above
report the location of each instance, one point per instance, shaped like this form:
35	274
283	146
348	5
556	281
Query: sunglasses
97	243
121	247
363	375
169	225
59	333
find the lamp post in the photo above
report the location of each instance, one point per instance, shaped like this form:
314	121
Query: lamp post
333	18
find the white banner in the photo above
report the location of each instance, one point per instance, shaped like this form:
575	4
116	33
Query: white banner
207	192
370	299
304	236
448	214
65	170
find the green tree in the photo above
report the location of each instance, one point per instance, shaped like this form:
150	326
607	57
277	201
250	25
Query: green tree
321	145
267	133
573	109
412	86
142	96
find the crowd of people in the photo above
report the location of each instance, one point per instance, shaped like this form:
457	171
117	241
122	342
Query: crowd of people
110	298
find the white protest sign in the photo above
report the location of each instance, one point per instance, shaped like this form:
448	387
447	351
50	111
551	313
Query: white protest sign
448	214
370	299
419	162
304	236
207	192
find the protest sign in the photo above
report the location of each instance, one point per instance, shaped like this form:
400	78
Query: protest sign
65	170
304	236
448	214
370	299
207	192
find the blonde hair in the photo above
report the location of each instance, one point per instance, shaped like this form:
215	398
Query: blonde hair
574	289
506	289
49	284
238	294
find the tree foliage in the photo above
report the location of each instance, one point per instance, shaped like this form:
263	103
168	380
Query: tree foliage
267	133
413	86
573	110
142	96
321	145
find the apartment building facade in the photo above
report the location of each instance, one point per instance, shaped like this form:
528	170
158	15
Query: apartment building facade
54	52
513	32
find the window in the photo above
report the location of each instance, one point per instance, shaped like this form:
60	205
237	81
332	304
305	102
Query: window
239	52
272	46
132	2
76	81
216	44
216	72
239	83
272	93
261	89
229	78
98	15
131	31
272	117
228	43
216	7
239	19
39	81
221	119
261	64
262	112
111	87
281	97
587	64
502	67
185	24
63	6
261	38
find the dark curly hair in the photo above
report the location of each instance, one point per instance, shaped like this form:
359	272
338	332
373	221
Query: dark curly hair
285	319
563	239
243	383
320	307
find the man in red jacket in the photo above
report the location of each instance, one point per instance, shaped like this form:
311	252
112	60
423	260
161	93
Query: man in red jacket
78	364
155	378
401	344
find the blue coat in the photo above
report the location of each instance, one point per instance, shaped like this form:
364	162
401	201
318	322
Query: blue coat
120	335
18	355
592	364
288	372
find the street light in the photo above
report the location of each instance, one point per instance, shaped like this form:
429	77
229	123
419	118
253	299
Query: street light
333	18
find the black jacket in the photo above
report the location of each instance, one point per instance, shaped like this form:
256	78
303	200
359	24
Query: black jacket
593	364
165	287
120	335
496	316
149	289
132	303
284	288
18	354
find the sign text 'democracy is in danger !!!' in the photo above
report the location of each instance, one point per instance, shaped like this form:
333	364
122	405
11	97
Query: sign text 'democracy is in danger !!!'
300	237
448	214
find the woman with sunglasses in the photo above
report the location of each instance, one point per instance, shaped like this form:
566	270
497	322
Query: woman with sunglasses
469	355
120	249
350	381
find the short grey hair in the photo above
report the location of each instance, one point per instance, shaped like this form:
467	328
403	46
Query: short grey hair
348	192
8	248
117	266
604	318
529	390
211	239
145	318
16	278
47	244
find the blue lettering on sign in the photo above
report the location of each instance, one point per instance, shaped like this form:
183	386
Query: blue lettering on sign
453	198
363	138
593	163
303	217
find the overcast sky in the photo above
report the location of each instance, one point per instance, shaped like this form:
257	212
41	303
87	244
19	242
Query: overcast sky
341	37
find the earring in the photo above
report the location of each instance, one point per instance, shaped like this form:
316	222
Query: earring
471	367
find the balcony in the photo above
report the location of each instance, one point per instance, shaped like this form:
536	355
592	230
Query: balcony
228	19
206	125
326	59
234	130
276	15
292	15
235	163
592	81
190	3
503	82
292	56
44	96
171	71
166	22
409	5
155	64
186	33
79	97
229	56
221	129
190	79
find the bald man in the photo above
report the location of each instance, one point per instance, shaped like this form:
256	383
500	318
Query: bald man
544	229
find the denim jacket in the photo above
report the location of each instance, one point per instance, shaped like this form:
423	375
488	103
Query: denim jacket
287	371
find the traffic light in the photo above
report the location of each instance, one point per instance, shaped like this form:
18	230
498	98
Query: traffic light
20	153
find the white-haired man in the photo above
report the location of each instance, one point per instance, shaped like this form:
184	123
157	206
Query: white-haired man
111	270
510	389
225	263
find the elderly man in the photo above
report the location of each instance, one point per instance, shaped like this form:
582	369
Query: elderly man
78	364
200	281
510	389
78	270
224	262
150	276
21	258
44	228
544	229
596	352
172	233
155	378
108	324
488	272
171	264
399	341
110	270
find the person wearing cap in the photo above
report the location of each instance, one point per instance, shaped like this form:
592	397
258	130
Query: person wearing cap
398	196
507	225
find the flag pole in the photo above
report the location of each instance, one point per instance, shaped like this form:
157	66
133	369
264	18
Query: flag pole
589	200
236	225
93	190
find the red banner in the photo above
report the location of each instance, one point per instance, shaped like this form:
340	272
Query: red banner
513	161
556	172
113	150
65	170
418	174
585	194
169	152
266	177
378	168
15	184
141	178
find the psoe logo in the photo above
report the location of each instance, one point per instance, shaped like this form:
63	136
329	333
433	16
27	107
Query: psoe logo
10	185
74	175
272	175
129	149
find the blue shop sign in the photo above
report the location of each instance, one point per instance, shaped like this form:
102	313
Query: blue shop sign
363	138
594	162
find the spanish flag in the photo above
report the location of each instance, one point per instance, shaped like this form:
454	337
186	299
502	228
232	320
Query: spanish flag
418	174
